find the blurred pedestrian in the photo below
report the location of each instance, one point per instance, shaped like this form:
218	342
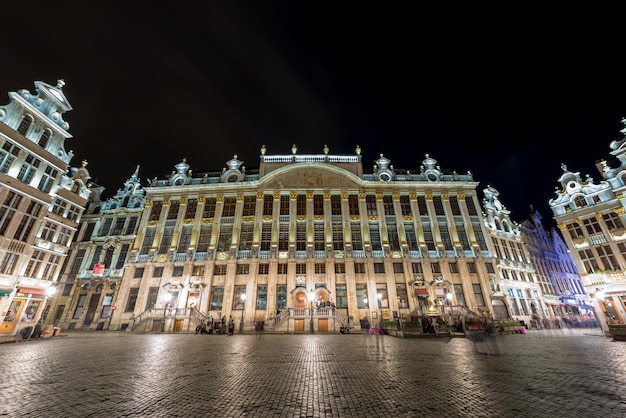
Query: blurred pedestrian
365	329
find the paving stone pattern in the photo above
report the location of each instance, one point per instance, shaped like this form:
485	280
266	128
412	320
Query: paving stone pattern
565	373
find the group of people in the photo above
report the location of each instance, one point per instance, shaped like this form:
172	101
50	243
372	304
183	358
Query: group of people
220	326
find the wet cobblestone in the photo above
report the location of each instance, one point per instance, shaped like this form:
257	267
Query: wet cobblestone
567	373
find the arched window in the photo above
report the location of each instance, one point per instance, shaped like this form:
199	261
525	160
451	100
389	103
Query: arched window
25	124
43	139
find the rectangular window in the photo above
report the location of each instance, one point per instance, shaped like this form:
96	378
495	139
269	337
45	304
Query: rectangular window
138	273
80	304
300	236
243	268
34	264
7	210
239	303
318	235
185	239
416	268
133	292
337	231
403	298
359	268
8	154
454	205
245	238
283	236
356	237
28	169
219	270
148	239
353	205
284	205
411	238
50	269
166	238
454	267
435	268
340	268
78	261
266	236
370	205
261	297
264	268
478	295
282	268
281	296
394	239
335	205
190	210
217	298
209	208
320	268
458	292
471	267
198	270
177	271
229	207
301	205
225	238
375	237
268	205
121	258
342	296
96	256
318	205
204	238
405	205
379	267
438	203
158	272
155	211
153	293
300	268
132	223
118	228
398	268
361	296
249	205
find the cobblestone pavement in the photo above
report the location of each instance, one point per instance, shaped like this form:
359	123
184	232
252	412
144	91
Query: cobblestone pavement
565	373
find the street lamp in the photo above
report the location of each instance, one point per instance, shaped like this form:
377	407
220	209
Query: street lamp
311	297
243	309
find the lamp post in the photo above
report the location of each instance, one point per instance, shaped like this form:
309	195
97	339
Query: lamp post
311	297
243	309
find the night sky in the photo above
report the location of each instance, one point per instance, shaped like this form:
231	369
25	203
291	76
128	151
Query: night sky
506	94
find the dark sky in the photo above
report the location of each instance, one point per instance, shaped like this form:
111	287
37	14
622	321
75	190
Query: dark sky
508	94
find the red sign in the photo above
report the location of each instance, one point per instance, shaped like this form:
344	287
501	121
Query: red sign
98	269
112	308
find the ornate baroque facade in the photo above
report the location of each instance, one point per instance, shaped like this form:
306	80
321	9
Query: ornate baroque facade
591	217
41	202
311	236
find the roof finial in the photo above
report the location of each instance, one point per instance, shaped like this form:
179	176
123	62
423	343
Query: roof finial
60	83
294	149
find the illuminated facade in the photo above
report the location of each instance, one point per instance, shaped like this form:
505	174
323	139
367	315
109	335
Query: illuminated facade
91	277
306	242
591	217
516	291
41	202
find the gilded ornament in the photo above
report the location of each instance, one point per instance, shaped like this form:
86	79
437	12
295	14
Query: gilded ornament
183	200
309	195
395	196
153	223
219	198
344	195
326	195
148	203
166	201
260	195
293	195
239	197
362	196
619	211
413	196
201	199
445	196
276	195
429	196
461	196
379	196
562	227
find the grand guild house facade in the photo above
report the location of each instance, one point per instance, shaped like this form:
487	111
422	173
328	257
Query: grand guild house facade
305	243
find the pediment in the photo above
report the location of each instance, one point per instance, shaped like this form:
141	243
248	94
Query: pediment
310	176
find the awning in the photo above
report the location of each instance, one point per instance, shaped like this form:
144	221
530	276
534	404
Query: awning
421	293
31	291
5	291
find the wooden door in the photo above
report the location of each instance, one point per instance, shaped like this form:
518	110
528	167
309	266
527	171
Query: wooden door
322	325
298	325
178	325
